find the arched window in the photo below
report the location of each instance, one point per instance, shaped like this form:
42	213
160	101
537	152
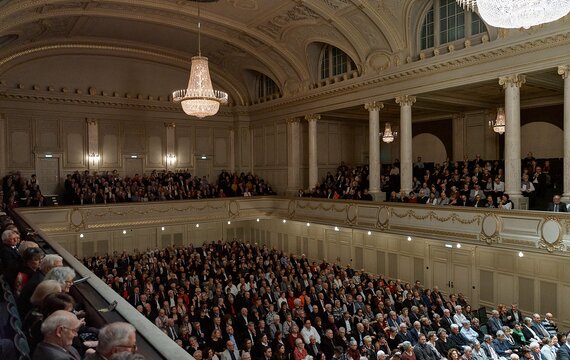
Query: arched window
266	86
334	62
446	22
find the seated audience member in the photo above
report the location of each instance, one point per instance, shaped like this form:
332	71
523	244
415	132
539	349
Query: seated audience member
10	258
48	262
58	331
43	289
556	205
114	338
64	275
505	203
29	268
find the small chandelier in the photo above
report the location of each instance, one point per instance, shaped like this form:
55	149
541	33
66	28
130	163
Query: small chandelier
498	125
200	99
388	135
513	14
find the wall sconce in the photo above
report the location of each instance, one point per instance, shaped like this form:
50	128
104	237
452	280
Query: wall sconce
94	158
170	159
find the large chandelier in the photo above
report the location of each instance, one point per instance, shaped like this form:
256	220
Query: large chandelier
200	99
498	125
388	135
517	13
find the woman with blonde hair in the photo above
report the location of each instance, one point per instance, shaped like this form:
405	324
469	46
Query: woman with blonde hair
45	288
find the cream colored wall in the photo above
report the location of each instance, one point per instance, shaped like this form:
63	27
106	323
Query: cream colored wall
543	139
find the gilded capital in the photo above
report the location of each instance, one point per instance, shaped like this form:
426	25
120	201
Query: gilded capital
405	100
564	71
374	106
515	80
92	122
169	125
312	117
293	120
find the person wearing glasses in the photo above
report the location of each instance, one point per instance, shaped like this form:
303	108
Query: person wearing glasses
58	331
117	337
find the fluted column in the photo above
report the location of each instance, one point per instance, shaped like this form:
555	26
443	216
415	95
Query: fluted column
374	152
313	166
406	102
251	149
512	85
564	71
232	136
293	156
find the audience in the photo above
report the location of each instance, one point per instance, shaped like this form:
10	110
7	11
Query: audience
235	298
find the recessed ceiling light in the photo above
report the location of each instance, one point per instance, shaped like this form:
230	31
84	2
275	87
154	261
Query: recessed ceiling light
521	254
369	232
458	245
308	224
124	232
409	238
162	228
336	228
257	219
197	225
284	221
229	222
80	235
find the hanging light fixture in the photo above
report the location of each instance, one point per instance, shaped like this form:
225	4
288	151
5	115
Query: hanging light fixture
514	14
388	135
200	99
498	125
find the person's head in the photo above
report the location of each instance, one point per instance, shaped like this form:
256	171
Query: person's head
453	354
244	356
64	275
534	347
49	262
32	257
299	343
10	237
422	339
556	199
198	355
56	301
268	352
24	245
60	328
117	337
380	355
230	345
43	289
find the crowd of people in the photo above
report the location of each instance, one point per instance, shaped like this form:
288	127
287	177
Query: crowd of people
470	182
52	321
235	301
83	188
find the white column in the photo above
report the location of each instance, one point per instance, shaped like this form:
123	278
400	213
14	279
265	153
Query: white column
512	85
293	156
251	149
406	174
458	138
93	156
564	71
170	129
313	165
374	152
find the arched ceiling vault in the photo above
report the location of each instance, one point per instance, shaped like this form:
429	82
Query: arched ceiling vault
268	35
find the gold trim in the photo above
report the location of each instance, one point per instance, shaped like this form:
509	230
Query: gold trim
558	243
432	215
354	219
494	237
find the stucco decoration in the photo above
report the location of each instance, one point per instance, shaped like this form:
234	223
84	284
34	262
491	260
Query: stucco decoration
551	234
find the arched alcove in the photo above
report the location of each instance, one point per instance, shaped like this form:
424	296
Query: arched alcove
429	147
543	139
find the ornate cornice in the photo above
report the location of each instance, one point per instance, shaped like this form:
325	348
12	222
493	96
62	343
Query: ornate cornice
564	71
312	117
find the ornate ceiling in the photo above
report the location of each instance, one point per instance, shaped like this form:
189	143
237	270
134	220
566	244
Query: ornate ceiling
281	39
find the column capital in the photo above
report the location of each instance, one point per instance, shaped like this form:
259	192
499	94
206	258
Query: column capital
458	116
405	100
90	121
169	125
293	120
564	71
515	80
374	106
312	117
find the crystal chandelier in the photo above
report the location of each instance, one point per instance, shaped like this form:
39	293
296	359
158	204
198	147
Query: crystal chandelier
388	135
498	125
200	99
516	13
